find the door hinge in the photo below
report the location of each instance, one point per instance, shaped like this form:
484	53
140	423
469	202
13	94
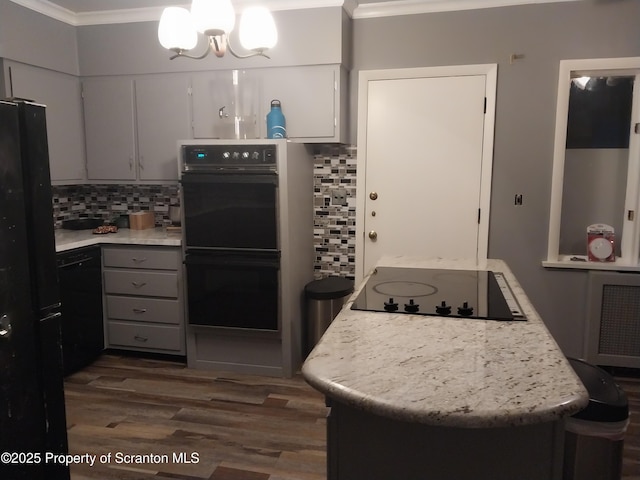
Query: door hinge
636	128
479	215
485	104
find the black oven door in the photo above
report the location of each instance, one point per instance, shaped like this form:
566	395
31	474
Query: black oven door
233	289
230	210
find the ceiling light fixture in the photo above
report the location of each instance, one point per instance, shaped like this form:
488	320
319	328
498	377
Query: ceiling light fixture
215	19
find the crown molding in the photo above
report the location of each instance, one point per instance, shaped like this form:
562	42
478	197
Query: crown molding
412	7
367	10
152	14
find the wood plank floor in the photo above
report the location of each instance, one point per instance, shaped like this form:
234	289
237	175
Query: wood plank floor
239	427
630	383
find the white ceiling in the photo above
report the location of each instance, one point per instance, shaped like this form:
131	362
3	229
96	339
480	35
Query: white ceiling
91	12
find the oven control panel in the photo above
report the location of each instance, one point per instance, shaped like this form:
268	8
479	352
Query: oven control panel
228	157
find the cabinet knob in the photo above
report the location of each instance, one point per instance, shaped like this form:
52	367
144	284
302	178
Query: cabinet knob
373	195
373	235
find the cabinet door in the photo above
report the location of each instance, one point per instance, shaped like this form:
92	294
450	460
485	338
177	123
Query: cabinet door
61	94
219	97
162	108
109	128
308	97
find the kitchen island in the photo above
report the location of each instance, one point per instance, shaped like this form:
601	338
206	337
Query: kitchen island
443	398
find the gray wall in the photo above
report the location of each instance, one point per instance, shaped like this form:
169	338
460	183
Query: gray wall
525	116
30	37
305	37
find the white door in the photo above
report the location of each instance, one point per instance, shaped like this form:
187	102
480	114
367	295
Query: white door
423	185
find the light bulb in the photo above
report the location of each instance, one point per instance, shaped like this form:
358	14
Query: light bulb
213	17
176	31
257	29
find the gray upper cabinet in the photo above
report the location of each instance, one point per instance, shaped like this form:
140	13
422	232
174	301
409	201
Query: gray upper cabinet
109	131
61	94
221	96
132	126
311	96
163	118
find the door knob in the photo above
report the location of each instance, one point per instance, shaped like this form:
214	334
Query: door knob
5	327
373	235
373	195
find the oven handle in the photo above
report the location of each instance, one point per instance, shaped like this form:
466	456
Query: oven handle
200	178
270	260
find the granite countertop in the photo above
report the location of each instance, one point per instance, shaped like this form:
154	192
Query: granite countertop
446	371
70	239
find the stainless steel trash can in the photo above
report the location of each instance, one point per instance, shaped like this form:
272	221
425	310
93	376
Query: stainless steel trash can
325	298
594	437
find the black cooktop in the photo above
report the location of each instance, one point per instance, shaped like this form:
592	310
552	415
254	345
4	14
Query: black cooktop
472	294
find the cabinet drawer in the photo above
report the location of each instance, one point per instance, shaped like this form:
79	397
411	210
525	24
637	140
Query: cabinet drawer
141	309
153	284
147	258
160	337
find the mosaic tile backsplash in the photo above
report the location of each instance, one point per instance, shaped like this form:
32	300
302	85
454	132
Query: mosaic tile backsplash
108	202
334	225
334	234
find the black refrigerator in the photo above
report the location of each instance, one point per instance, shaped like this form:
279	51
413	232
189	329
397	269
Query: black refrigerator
32	412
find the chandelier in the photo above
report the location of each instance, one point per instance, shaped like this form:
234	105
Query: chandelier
179	27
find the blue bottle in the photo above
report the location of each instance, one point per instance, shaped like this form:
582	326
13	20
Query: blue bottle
276	124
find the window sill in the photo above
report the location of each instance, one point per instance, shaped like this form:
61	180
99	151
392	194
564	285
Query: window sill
564	261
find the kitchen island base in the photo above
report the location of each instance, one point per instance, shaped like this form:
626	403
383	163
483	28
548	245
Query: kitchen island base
364	445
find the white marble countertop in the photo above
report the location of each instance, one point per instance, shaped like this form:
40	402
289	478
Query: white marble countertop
446	371
70	239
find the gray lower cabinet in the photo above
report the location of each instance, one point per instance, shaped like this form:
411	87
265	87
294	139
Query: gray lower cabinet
144	307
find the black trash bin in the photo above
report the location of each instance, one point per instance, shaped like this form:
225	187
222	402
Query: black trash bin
325	298
594	437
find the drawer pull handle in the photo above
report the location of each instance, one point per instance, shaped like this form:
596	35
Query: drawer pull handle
140	339
138	284
138	260
139	310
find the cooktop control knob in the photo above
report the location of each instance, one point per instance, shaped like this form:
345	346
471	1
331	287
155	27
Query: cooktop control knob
443	308
255	156
391	306
236	155
226	155
245	155
411	307
465	310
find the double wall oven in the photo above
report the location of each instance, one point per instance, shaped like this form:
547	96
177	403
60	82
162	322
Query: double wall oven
232	249
247	221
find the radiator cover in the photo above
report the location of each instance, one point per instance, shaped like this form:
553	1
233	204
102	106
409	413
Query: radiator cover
613	319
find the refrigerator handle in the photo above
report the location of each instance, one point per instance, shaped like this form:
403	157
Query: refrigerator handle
5	327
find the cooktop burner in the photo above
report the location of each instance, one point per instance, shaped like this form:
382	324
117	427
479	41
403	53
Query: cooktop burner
446	293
